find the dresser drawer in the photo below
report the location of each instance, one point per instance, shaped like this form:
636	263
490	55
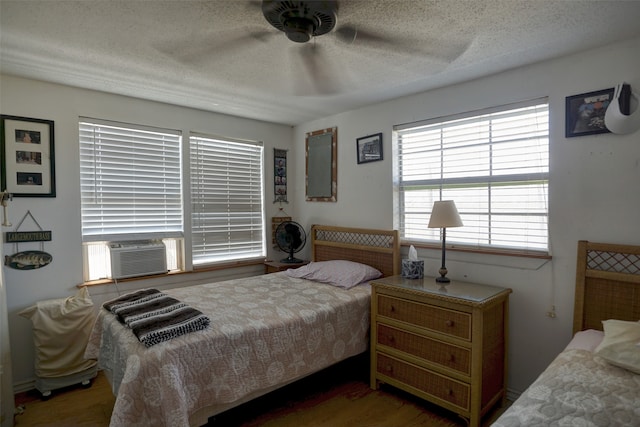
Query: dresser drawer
450	322
434	351
449	390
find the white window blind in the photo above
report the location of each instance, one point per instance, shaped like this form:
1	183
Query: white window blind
130	179
494	164
227	199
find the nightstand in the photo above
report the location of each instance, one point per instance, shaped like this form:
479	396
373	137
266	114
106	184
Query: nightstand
445	344
275	266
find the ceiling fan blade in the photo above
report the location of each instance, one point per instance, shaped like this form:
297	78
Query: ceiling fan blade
347	33
323	79
443	51
207	47
254	5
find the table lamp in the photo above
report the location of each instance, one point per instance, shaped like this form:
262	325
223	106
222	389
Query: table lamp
444	215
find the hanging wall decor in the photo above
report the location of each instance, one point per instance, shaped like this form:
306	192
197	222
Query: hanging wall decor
30	259
369	148
280	175
620	117
27	154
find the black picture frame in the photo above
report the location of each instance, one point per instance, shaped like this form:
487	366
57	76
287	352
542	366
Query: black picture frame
369	148
27	156
585	113
280	175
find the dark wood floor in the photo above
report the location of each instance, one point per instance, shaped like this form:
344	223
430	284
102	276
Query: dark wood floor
337	397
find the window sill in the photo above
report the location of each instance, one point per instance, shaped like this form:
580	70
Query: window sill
200	269
485	251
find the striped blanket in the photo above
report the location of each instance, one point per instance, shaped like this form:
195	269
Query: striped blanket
155	317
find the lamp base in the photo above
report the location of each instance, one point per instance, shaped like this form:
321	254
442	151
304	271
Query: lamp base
443	275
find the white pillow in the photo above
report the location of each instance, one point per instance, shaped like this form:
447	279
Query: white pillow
341	273
621	344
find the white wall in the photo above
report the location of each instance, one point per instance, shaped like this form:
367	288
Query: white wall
61	215
594	191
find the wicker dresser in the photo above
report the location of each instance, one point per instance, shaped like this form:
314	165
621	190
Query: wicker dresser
443	344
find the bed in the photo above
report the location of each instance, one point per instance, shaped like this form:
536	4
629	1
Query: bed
595	381
265	332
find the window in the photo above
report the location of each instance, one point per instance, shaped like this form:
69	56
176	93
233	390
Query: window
227	220
131	189
494	164
131	183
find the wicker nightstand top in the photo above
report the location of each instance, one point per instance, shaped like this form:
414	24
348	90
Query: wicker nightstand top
471	293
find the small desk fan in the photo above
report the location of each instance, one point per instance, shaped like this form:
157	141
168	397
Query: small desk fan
290	237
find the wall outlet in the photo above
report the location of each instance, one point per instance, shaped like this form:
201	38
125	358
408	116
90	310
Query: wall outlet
552	313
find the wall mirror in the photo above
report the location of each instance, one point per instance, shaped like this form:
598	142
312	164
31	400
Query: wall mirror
321	165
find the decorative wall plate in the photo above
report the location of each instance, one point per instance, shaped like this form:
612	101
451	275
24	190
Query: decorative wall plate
28	260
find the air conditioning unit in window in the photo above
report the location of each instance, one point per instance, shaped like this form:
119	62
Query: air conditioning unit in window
138	258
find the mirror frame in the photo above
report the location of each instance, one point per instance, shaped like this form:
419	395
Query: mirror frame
334	165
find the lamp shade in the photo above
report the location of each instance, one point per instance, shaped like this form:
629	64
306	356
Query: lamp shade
444	215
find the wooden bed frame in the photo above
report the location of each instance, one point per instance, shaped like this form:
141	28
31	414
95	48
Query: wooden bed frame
607	284
377	248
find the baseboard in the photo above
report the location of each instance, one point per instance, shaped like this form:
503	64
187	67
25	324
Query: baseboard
23	386
513	395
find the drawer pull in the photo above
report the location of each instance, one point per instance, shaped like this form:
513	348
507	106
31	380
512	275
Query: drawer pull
449	323
388	368
393	308
452	358
391	338
450	392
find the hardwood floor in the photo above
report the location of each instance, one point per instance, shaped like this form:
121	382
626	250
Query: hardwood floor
71	406
336	397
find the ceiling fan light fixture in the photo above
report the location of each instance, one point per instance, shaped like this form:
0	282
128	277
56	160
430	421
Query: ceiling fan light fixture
301	20
298	30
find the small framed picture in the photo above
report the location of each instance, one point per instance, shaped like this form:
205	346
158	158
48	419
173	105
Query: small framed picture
585	113
27	156
369	148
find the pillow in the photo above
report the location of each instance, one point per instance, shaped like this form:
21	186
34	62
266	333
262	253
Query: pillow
621	344
341	273
588	340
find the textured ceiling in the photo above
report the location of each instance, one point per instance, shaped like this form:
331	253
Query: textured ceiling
223	56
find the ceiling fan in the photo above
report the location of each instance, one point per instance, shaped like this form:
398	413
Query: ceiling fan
304	22
301	20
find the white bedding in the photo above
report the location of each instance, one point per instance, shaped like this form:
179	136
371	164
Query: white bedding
578	389
265	331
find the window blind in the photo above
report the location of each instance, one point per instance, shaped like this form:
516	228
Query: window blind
494	164
130	178
227	199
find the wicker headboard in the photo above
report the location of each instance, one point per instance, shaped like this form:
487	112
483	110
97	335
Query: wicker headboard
377	248
607	284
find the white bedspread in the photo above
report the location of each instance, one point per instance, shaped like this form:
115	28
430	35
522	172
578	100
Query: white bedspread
265	331
578	389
